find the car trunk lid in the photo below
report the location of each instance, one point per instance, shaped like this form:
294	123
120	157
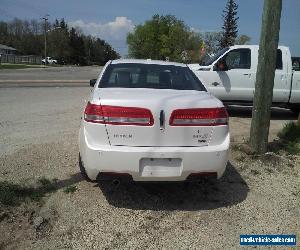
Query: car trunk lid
161	103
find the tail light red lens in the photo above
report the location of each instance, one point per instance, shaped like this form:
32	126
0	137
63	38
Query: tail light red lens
199	117
116	115
93	113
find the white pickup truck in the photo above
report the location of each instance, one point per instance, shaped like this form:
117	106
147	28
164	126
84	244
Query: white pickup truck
50	60
230	75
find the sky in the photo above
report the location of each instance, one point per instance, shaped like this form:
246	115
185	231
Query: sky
111	20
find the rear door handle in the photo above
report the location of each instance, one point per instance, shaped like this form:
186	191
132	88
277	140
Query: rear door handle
215	84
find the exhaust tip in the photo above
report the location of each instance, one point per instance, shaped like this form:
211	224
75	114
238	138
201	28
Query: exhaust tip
114	178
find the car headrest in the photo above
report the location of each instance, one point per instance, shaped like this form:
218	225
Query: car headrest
123	77
164	77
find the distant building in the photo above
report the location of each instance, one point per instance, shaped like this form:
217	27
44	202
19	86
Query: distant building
6	50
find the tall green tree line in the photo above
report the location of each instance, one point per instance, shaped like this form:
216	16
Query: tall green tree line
67	44
163	37
229	34
166	37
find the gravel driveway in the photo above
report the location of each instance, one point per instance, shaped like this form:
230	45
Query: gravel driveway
38	138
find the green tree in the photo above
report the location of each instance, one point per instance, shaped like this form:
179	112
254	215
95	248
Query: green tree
4	33
58	45
211	41
78	55
66	45
162	37
230	28
243	39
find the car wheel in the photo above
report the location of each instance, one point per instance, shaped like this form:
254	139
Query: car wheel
82	170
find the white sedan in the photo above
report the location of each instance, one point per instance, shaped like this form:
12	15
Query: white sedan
152	120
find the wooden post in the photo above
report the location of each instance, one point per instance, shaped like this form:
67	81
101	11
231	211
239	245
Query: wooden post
265	76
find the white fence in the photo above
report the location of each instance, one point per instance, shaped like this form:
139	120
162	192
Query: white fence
21	59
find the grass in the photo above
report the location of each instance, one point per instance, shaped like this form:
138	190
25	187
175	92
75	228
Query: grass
70	189
290	138
14	194
47	185
18	66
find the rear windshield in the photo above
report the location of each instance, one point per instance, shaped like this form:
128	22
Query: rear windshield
154	76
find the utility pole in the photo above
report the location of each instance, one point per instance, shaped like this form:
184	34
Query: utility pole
45	18
264	85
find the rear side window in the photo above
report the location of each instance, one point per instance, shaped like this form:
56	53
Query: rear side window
238	59
279	59
138	75
296	63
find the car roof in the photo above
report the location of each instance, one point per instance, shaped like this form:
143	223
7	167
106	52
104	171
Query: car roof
245	46
147	61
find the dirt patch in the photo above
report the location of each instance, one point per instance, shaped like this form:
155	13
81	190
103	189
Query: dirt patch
256	195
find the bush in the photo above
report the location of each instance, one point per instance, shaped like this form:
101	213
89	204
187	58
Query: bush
290	136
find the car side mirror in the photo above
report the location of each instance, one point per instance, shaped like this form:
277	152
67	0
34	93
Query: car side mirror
93	82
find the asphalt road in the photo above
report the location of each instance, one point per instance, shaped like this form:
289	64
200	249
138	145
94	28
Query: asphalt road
38	138
70	76
31	115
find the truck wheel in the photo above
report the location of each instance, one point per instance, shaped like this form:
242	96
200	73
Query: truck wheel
82	170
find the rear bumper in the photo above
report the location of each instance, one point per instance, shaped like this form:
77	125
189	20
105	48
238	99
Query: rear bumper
153	163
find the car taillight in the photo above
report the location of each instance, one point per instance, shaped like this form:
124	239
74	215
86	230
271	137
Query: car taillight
116	115
93	113
199	117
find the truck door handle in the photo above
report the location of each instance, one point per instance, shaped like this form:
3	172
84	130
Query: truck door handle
246	74
215	84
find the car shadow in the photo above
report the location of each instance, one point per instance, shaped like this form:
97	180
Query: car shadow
73	179
246	112
231	189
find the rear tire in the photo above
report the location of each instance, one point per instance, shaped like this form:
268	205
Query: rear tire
82	170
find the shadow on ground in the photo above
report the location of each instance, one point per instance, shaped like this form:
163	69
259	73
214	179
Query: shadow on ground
74	179
276	113
14	194
229	190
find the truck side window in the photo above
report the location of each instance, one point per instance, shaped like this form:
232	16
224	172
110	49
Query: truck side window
238	59
296	63
279	59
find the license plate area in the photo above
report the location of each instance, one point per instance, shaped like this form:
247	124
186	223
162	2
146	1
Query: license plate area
160	167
